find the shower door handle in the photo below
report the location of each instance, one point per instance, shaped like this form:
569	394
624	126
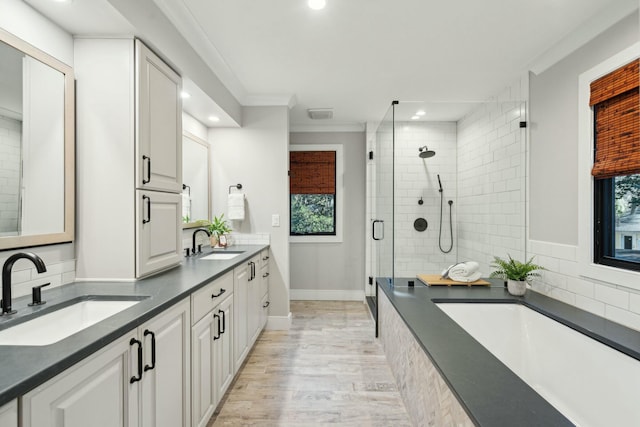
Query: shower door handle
377	228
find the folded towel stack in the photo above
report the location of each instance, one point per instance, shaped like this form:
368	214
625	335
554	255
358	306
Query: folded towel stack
465	272
235	206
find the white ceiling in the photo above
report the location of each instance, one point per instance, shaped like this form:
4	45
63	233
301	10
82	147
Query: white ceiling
356	56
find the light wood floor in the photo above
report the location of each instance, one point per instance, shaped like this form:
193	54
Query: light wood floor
327	369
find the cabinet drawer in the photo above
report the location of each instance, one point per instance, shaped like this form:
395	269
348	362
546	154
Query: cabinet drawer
205	299
264	259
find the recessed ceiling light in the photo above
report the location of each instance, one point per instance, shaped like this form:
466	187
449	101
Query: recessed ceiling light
420	113
185	95
416	117
317	4
214	118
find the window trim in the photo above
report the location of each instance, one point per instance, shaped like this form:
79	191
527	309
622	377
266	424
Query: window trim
586	238
339	194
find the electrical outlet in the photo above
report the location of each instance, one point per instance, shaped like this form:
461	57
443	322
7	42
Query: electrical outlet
275	220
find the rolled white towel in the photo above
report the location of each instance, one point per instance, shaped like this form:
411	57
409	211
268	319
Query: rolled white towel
454	275
471	267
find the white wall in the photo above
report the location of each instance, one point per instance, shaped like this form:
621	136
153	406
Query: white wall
418	252
553	234
257	156
335	270
22	21
491	179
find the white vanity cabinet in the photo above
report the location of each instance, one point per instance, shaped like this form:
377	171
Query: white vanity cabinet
212	363
246	316
142	379
129	160
164	388
9	414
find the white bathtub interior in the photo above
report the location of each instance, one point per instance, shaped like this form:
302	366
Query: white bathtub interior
589	382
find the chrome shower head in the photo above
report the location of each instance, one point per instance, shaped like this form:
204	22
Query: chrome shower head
425	153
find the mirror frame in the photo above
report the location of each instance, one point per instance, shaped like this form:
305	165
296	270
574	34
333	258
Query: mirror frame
194	138
67	235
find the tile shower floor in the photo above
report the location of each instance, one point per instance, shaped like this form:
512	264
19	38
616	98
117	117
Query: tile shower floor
328	369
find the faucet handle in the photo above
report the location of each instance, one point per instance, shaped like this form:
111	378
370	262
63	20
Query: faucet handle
36	295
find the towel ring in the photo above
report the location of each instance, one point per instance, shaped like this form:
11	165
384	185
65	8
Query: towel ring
238	186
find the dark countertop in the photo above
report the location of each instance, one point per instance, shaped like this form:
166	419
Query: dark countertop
490	392
24	367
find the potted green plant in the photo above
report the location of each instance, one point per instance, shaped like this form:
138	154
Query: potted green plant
516	273
218	227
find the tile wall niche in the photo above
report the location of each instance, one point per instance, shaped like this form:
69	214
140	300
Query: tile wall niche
492	180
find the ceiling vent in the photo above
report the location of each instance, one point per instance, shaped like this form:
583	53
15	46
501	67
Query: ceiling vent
320	113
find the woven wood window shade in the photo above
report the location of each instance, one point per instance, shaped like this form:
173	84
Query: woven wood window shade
312	172
616	104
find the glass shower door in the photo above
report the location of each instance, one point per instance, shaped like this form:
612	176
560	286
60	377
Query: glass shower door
382	220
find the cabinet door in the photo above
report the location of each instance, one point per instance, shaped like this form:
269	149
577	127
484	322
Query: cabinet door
94	392
264	312
202	370
9	414
158	231
224	360
240	326
158	123
166	382
254	309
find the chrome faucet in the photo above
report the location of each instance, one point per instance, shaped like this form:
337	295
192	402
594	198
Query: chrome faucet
193	247
6	276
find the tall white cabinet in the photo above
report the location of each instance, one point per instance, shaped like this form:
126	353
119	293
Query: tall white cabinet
129	160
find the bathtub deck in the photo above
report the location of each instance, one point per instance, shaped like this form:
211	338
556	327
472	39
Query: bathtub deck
490	393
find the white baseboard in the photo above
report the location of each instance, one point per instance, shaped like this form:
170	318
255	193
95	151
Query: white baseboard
279	323
325	295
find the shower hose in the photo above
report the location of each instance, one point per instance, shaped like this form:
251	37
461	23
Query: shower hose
450	225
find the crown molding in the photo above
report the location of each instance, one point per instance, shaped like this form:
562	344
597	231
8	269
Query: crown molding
184	21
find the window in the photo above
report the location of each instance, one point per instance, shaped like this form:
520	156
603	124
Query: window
315	173
615	100
312	188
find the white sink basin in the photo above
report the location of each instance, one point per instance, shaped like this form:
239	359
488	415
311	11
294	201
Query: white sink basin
57	325
219	256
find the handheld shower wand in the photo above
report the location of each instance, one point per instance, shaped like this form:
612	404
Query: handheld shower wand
439	184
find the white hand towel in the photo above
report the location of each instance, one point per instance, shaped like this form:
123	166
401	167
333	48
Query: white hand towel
186	206
235	206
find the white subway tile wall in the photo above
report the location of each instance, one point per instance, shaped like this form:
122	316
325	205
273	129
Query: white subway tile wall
418	252
491	176
561	280
58	274
10	159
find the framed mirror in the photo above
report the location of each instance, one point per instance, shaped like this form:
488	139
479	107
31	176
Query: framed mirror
37	145
196	178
